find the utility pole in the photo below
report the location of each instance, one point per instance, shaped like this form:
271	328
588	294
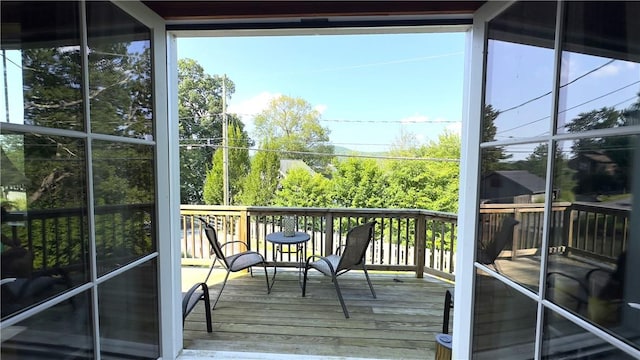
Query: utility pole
225	143
6	85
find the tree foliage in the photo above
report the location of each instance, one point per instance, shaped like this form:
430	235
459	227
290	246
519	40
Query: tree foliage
426	184
260	185
292	126
444	176
200	125
299	188
492	158
239	164
359	183
120	96
614	147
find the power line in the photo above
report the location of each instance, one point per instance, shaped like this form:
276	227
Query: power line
211	141
405	121
576	106
417	121
401	61
567	84
326	154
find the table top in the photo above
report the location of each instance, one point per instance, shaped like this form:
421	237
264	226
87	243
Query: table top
279	238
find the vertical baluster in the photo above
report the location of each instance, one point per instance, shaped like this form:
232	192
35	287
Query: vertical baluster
452	247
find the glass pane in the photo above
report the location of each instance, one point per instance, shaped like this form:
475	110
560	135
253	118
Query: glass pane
60	332
128	306
588	268
519	72
41	64
44	218
120	83
124	188
512	195
562	339
600	73
504	321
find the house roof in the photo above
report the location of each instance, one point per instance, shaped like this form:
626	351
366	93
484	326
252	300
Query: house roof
11	176
287	164
524	178
598	157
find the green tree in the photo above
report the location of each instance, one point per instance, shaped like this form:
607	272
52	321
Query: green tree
427	183
120	99
536	162
615	147
292	126
260	185
359	183
299	188
238	168
444	174
200	126
492	158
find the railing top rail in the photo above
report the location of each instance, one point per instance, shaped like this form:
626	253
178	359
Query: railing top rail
524	205
258	210
579	205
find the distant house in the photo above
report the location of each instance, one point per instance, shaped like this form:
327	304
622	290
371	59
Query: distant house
288	164
597	173
512	186
593	162
12	179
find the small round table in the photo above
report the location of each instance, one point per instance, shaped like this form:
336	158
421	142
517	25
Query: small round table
298	239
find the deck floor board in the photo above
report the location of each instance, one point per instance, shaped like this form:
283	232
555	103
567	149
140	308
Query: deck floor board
401	323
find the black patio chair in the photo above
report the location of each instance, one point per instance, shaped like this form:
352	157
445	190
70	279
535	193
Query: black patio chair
349	258
488	253
232	263
190	299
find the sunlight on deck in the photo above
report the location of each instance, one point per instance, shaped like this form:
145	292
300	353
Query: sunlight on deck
401	323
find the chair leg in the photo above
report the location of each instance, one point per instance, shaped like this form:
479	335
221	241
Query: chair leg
304	281
210	270
207	307
366	274
222	288
267	277
344	307
495	266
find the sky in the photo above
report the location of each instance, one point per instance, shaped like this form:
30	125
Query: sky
368	88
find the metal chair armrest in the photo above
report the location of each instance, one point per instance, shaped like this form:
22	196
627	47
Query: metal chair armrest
233	242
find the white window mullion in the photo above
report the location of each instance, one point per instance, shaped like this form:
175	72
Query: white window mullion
551	154
84	61
167	176
473	91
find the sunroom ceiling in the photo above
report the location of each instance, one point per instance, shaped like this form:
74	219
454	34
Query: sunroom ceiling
199	11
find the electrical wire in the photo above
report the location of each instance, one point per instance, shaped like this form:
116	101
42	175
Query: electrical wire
567	84
576	106
325	154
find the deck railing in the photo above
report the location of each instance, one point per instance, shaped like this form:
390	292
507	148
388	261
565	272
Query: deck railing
59	238
591	230
421	241
404	239
598	231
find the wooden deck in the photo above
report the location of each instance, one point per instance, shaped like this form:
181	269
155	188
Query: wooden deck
400	324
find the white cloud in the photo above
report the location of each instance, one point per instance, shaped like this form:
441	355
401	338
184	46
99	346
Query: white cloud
320	108
631	65
455	128
247	109
609	70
